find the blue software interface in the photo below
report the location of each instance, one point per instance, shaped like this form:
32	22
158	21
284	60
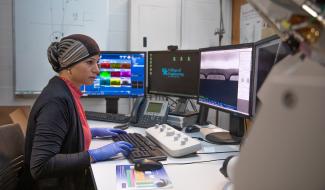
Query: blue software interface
122	74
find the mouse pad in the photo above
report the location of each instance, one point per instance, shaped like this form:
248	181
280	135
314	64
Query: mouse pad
128	178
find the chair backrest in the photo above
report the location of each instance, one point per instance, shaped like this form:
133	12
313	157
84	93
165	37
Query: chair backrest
11	155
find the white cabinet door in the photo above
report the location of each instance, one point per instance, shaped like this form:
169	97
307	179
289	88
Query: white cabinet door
157	21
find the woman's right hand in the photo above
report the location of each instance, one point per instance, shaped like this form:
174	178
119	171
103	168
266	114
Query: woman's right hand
108	151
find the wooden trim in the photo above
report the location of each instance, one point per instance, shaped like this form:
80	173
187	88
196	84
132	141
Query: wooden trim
235	33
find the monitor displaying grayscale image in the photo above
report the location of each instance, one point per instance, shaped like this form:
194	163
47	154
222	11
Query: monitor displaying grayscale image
226	78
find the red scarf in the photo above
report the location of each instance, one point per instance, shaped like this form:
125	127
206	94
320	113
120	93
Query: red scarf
76	96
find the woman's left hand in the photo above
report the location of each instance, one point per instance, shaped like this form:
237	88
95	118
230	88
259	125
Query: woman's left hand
106	132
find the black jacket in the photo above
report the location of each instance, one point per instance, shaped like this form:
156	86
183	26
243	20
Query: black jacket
54	149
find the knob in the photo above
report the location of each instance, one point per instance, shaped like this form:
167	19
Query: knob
170	133
183	142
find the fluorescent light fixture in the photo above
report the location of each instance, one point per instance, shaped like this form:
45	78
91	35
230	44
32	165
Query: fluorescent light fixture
309	10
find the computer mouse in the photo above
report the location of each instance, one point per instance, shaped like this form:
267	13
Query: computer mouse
192	129
146	164
161	182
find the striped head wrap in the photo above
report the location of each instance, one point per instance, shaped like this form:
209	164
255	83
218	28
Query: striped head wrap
70	51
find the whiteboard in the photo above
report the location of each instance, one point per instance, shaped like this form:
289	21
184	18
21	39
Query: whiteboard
37	23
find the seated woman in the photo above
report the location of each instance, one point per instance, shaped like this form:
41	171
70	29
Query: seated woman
58	137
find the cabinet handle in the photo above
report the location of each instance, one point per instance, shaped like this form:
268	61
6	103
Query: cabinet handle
144	41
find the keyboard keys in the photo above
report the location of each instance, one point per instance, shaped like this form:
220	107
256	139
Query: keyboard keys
143	147
108	117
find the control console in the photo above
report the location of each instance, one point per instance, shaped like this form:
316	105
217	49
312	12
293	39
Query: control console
175	143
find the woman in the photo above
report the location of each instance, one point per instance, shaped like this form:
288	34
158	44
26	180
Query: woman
57	154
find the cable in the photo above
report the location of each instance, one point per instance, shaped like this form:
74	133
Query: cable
245	123
202	139
220	152
193	106
173	104
185	163
222	30
171	100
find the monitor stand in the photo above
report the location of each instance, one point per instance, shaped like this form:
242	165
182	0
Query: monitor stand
234	136
112	105
203	115
180	110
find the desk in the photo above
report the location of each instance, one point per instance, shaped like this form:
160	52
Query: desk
205	176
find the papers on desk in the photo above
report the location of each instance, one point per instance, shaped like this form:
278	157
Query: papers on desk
128	178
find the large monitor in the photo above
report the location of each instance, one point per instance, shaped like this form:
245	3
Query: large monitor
226	83
268	52
226	78
174	73
122	74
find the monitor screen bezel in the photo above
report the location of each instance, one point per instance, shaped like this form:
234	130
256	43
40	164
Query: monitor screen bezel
124	96
229	47
257	45
191	96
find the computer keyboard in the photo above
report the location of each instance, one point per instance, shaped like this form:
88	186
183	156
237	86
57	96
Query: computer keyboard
143	147
175	143
108	117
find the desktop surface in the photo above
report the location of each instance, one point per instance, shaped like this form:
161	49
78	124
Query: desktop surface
104	173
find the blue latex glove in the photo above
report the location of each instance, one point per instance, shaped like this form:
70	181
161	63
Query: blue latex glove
108	151
105	132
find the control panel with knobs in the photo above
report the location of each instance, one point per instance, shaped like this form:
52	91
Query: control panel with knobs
175	143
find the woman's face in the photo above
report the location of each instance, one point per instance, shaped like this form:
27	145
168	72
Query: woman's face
86	71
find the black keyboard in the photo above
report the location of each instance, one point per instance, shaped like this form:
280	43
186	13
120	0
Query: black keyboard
108	117
143	147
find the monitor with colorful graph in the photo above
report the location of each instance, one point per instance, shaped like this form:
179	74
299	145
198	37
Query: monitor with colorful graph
122	74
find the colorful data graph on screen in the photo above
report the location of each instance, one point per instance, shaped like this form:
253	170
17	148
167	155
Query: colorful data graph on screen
121	74
128	178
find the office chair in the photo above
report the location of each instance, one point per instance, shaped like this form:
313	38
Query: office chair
11	155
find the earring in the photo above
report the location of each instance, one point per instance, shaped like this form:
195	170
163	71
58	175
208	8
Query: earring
69	71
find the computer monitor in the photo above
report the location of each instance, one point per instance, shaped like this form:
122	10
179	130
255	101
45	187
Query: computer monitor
226	83
174	73
268	52
122	75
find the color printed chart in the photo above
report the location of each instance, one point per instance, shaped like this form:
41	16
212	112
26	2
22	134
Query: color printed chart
128	178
